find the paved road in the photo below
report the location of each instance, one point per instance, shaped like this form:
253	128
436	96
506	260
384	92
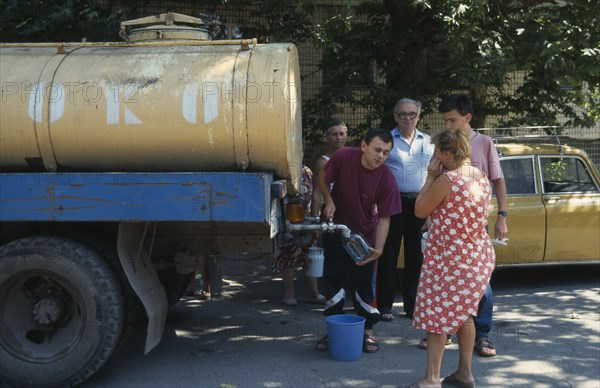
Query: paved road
546	329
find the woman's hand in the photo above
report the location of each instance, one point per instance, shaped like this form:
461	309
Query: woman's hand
435	168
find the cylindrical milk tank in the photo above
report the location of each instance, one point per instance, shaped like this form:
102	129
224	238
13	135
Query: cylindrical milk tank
151	107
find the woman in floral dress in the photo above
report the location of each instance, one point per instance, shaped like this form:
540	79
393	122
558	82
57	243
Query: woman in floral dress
459	257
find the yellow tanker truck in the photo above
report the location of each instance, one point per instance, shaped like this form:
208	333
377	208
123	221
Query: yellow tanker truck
121	164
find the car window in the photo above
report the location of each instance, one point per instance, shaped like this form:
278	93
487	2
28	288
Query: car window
566	175
519	175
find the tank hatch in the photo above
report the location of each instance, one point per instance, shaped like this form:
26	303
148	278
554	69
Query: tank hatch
164	27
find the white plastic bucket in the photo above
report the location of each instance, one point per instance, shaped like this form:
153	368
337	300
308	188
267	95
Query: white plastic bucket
315	262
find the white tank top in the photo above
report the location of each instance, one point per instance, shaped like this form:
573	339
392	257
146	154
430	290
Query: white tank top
327	160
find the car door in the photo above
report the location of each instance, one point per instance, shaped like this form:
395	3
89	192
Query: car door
572	200
526	213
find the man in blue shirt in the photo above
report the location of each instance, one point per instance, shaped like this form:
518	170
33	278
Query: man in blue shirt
408	161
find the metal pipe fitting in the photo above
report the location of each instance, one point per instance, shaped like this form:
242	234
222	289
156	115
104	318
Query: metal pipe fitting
324	227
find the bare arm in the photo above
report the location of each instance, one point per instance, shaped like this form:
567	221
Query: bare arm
435	190
329	210
317	198
500	229
381	232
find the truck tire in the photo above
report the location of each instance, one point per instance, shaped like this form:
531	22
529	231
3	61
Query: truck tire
62	312
132	304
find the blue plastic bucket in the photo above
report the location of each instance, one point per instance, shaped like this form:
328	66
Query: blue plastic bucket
345	334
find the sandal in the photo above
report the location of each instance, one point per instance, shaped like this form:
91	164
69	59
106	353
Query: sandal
386	315
370	344
453	381
322	344
485	347
423	343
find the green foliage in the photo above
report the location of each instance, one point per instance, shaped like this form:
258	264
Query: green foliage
556	169
591	102
557	49
382	50
60	21
286	20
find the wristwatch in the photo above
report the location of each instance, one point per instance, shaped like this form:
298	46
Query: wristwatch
503	213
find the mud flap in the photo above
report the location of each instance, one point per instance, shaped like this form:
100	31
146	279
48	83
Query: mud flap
143	279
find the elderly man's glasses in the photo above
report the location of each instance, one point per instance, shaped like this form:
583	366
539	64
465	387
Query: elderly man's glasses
404	115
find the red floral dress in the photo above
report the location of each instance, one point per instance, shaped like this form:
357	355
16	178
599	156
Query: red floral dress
458	260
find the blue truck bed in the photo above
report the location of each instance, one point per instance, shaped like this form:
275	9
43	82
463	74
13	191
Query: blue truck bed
184	196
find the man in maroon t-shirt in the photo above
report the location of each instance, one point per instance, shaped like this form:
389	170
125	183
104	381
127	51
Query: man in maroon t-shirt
364	197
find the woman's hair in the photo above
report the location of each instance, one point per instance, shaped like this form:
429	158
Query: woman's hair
455	142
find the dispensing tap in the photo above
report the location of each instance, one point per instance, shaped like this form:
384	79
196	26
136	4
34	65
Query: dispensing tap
314	223
354	243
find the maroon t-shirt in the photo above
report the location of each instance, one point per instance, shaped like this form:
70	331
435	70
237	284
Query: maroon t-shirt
361	195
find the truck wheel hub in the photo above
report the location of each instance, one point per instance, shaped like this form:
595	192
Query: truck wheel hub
48	310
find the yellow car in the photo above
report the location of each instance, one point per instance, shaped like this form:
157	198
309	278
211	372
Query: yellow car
553	205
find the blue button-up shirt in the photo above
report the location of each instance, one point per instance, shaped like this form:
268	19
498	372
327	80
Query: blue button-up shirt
408	162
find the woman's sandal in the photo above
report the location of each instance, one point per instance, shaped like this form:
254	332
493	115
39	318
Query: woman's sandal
485	348
453	381
370	344
322	344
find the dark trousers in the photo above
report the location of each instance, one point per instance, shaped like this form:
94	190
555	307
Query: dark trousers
343	277
405	226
